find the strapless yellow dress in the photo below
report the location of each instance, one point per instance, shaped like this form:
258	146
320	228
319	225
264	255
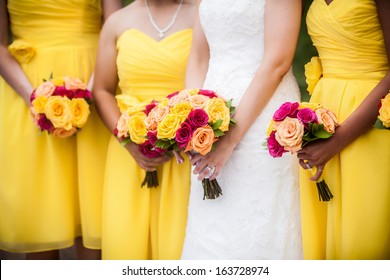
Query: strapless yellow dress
355	224
146	223
42	178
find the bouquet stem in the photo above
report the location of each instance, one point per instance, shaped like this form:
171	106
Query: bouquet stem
151	180
324	193
211	189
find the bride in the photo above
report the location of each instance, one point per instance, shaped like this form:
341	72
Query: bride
244	50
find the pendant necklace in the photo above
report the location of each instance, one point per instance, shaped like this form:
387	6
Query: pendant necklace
164	30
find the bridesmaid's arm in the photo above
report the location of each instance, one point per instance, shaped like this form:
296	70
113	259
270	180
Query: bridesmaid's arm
198	60
10	69
104	89
282	24
361	120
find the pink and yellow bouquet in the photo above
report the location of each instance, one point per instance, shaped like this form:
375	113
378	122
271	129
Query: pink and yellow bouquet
190	120
383	121
131	127
60	106
294	125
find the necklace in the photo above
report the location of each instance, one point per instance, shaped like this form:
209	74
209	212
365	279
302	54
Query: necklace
170	24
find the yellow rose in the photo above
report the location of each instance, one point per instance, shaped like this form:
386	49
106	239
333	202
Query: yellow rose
190	91
198	101
57	110
80	111
289	133
168	126
328	119
313	73
58	81
74	83
45	89
270	128
129	103
39	104
63	133
384	111
182	110
216	109
22	51
202	140
137	128
310	105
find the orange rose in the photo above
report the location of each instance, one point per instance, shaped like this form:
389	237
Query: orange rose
45	89
289	133
328	119
122	125
63	133
74	83
202	140
198	101
155	116
182	96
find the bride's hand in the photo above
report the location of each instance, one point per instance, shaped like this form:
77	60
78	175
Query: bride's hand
210	165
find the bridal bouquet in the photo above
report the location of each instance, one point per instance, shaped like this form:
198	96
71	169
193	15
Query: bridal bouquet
190	120
383	121
131	127
60	106
294	125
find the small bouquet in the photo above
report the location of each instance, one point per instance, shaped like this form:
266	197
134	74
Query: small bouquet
294	125
131	127
190	120
60	106
383	120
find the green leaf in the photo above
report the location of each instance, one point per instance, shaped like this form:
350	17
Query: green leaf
229	103
218	133
318	131
378	124
233	121
217	124
163	144
125	141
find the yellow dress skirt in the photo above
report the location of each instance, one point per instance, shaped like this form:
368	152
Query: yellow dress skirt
146	223
39	174
355	224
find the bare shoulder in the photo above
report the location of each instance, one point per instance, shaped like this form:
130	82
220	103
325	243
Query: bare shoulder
123	19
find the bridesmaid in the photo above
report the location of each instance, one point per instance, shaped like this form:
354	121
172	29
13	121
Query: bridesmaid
353	41
145	48
39	200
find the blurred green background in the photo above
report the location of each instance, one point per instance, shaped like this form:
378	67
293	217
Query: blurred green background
305	51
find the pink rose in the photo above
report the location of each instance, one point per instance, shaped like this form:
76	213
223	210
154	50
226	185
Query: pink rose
82	93
32	96
183	135
149	151
45	89
74	83
152	137
62	91
149	107
209	93
289	134
306	116
198	101
274	148
173	94
44	123
287	109
197	118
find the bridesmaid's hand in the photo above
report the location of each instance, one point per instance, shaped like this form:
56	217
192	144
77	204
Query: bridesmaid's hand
318	153
148	164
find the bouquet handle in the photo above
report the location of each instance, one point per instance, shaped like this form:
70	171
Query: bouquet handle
324	193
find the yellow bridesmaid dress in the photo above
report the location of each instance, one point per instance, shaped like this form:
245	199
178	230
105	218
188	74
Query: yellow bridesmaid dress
39	197
146	223
355	224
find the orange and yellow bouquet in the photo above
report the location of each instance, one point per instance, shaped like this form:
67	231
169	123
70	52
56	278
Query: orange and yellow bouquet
383	120
190	120
60	106
294	125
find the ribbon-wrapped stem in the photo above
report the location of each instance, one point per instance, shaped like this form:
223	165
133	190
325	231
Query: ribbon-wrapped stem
324	193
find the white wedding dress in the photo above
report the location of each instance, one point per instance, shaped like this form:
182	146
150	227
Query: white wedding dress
258	215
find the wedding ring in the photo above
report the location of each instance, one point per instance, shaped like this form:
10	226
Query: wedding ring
211	170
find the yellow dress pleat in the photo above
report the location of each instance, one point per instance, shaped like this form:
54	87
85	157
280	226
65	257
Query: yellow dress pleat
39	195
146	223
355	223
